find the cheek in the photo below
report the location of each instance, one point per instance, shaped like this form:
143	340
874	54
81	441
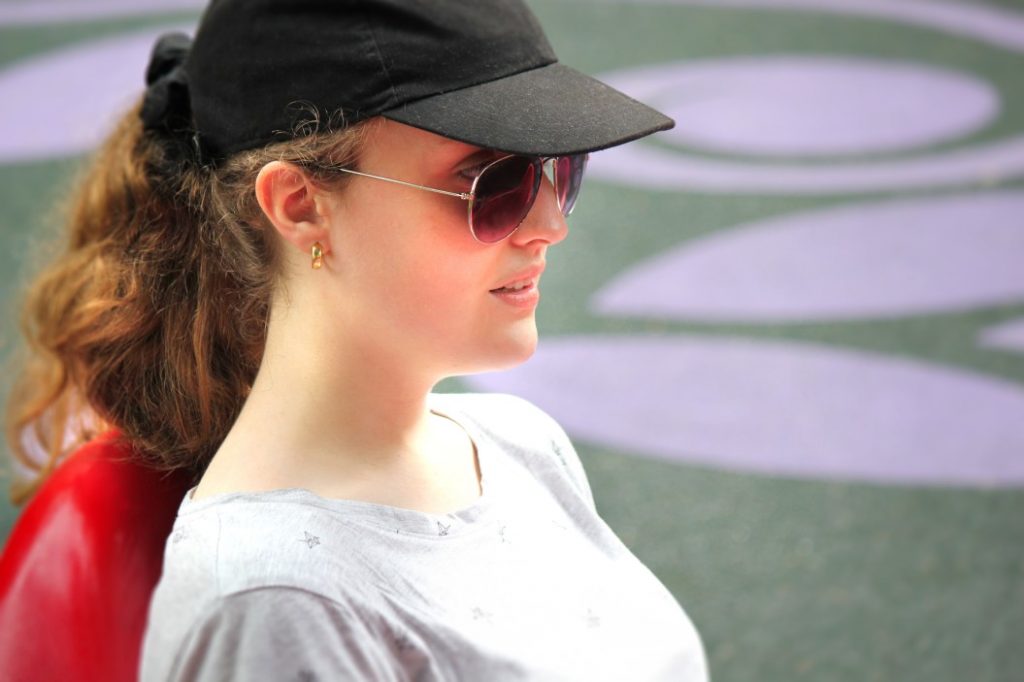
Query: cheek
420	270
435	286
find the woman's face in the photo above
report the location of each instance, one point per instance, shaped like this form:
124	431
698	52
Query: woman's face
410	278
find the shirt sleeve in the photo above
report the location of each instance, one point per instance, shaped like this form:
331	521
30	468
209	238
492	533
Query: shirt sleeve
284	633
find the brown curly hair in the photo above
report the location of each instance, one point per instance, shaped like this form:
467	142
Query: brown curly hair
152	320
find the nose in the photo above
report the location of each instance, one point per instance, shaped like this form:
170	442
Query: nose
545	220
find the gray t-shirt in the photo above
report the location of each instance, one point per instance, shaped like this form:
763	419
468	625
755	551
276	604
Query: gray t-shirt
527	583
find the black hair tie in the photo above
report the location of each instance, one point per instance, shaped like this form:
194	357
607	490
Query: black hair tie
167	106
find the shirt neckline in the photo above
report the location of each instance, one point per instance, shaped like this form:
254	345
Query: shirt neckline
396	520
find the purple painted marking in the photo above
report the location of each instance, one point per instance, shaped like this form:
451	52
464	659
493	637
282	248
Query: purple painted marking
65	102
650	167
807	106
1006	336
778	408
881	259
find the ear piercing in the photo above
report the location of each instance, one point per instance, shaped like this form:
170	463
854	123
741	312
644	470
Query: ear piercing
318	255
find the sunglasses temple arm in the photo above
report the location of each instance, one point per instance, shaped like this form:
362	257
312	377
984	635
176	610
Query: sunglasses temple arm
460	195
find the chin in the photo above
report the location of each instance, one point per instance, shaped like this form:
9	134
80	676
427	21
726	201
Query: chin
522	343
511	352
522	354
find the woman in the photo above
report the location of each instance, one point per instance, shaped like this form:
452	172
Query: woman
319	211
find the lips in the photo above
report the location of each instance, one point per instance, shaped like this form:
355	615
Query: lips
528	277
515	286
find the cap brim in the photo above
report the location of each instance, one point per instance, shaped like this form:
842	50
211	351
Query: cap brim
548	111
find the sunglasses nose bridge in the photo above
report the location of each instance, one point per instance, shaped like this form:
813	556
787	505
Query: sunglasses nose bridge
547	163
547	220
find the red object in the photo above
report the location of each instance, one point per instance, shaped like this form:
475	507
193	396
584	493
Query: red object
80	566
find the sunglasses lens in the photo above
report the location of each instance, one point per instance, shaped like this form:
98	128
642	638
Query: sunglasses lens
505	192
568	179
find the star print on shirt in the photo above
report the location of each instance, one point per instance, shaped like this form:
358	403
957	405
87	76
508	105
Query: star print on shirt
402	641
501	533
178	535
593	620
310	540
306	676
443	529
481	614
558	451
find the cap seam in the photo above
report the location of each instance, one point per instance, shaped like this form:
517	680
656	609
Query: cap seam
471	85
380	58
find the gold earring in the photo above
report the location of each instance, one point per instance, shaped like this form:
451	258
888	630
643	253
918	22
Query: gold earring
318	255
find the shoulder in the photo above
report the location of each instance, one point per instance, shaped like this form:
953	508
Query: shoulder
264	575
275	539
274	632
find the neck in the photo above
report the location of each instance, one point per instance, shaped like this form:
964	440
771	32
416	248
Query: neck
327	403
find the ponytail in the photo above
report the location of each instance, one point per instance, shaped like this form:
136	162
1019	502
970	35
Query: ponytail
153	318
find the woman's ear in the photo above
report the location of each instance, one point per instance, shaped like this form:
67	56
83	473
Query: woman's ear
293	205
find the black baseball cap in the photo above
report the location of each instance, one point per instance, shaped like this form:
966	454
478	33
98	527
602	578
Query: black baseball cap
477	71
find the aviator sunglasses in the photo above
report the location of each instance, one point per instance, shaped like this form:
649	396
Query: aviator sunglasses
504	191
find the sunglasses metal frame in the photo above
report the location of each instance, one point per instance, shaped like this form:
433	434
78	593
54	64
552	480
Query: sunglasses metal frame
471	195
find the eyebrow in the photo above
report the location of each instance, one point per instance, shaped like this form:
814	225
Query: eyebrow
456	154
478	155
